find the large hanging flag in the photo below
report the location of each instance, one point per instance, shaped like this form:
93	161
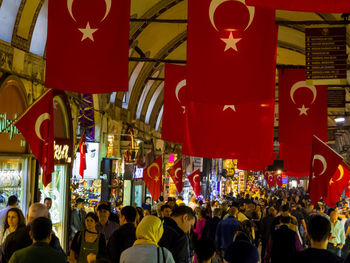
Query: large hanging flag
324	164
152	175
278	177
174	103
270	179
337	185
195	181
176	174
303	112
37	126
88	46
224	63
347	190
82	150
319	6
215	131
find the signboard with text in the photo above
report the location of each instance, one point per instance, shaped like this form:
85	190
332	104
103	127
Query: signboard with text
325	53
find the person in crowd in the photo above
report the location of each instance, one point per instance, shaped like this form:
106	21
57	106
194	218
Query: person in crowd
266	228
171	202
241	250
146	212
226	230
12	202
176	229
204	250
283	243
319	231
21	238
125	236
346	247
241	211
211	224
48	203
139	215
87	245
295	211
146	248
337	240
200	223
77	217
14	220
148	203
104	225
40	251
165	211
193	203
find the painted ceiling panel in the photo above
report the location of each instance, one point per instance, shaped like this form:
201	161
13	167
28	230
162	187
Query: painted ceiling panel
8	14
177	12
289	57
291	36
38	43
179	53
140	7
27	18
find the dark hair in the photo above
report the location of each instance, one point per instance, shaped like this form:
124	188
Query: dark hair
164	207
330	210
21	220
47	199
319	228
93	216
41	228
139	210
129	213
12	200
104	207
79	200
183	210
205	249
285	219
148	197
285	208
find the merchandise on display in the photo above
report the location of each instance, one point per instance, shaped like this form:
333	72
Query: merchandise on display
89	190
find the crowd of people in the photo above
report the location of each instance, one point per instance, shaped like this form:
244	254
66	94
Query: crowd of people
250	227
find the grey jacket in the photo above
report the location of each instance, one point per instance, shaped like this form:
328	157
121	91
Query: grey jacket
146	254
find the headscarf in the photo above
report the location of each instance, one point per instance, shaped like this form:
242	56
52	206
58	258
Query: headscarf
149	231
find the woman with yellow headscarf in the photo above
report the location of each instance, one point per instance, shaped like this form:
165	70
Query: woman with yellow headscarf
145	248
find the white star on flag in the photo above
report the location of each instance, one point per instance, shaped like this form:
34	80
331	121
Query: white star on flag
231	42
232	107
303	110
87	32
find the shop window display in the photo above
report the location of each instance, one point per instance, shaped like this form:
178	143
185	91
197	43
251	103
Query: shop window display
11	180
55	191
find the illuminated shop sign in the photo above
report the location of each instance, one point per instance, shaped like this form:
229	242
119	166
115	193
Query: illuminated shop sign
62	150
8	126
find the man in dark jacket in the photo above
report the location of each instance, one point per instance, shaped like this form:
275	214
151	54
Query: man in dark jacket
266	228
175	233
211	224
226	230
21	238
125	236
40	250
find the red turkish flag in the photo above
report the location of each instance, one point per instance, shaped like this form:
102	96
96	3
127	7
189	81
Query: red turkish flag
152	175
319	6
278	177
215	131
87	47
176	174
303	112
195	181
337	185
37	126
225	65
347	190
174	103
270	180
324	164
82	150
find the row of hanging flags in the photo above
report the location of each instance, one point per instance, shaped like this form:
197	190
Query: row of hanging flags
228	83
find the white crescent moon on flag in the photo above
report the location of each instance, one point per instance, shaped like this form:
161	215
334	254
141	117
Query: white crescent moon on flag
194	178
39	122
149	169
70	6
302	84
179	86
178	169
108	8
341	170
216	3
323	161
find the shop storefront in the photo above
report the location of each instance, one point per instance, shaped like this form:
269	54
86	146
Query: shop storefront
58	189
15	162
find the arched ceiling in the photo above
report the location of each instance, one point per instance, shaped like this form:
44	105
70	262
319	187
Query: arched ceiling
23	24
